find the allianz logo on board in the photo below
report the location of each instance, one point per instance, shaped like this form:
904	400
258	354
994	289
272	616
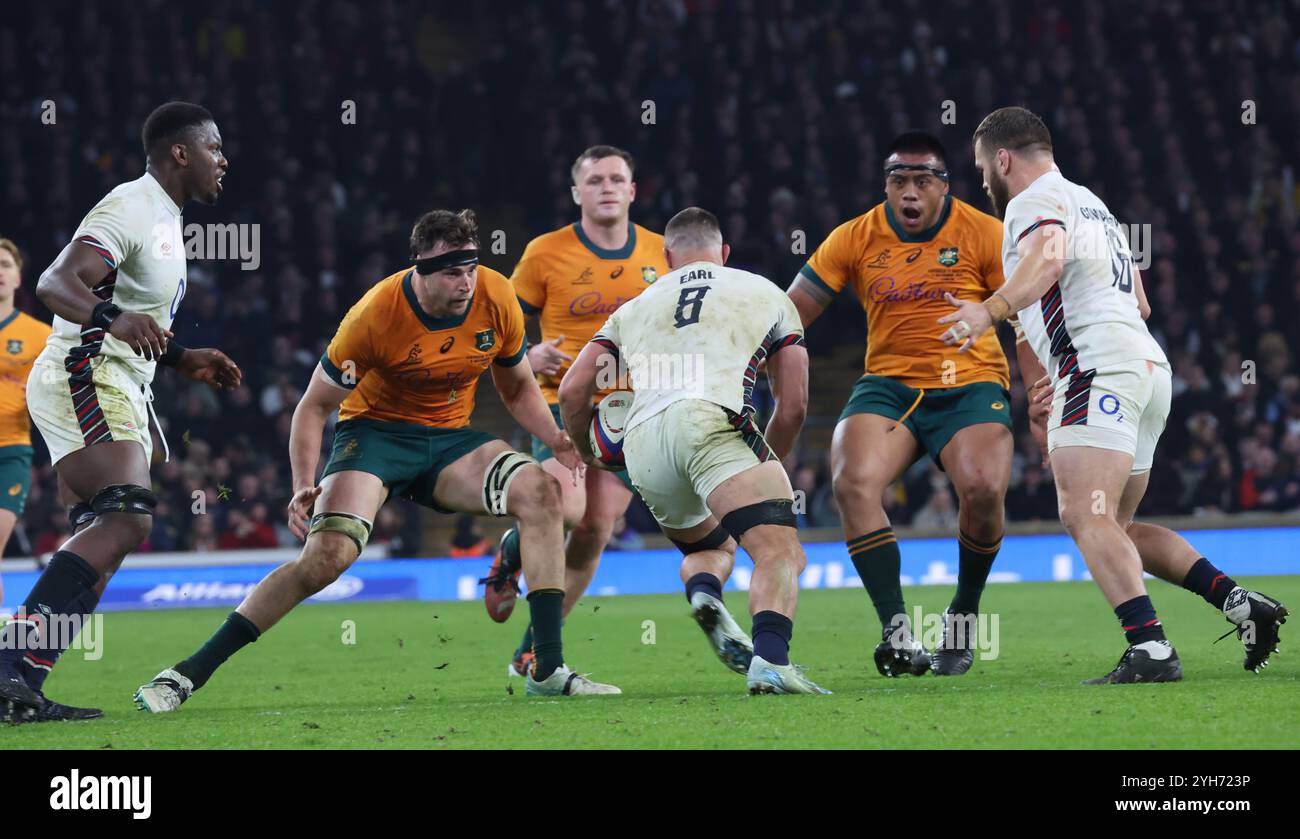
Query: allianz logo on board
341	589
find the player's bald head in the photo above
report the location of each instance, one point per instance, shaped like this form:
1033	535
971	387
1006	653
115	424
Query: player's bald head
693	229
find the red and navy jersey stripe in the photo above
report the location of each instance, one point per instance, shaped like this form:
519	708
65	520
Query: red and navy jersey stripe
1053	307
770	346
602	341
751	375
104	288
749	433
103	252
1078	393
794	339
1042	221
81	384
1079	390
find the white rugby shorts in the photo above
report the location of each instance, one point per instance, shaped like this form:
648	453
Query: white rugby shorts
1122	408
679	456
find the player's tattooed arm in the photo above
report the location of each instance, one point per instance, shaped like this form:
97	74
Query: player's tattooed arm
65	287
809	298
523	399
788	372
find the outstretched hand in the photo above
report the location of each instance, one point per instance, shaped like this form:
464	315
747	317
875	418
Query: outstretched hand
969	322
212	367
141	333
300	510
569	457
547	358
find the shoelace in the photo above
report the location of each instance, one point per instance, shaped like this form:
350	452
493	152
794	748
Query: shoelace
1236	629
495	580
1122	660
583	678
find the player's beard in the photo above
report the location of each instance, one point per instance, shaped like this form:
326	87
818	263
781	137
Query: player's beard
999	195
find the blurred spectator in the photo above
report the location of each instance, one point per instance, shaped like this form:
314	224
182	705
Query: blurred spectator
247	528
1034	497
391	530
468	540
939	513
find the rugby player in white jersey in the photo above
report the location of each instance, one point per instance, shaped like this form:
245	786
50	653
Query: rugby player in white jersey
114	291
707	473
1070	282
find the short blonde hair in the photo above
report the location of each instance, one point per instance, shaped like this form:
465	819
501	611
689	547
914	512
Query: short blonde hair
8	245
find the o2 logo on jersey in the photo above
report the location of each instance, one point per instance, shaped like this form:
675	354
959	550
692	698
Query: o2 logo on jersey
180	295
1109	405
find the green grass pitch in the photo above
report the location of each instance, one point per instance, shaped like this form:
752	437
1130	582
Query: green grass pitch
432	675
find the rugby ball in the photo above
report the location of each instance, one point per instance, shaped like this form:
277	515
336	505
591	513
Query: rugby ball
607	424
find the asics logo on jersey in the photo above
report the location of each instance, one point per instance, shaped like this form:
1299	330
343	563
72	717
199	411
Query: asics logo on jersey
913	255
616	273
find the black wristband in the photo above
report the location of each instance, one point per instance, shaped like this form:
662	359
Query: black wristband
104	314
172	355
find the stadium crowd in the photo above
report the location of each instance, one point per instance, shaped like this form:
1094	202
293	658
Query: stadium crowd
343	122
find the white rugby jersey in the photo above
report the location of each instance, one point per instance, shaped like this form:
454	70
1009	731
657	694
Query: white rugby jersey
699	332
136	229
1089	320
